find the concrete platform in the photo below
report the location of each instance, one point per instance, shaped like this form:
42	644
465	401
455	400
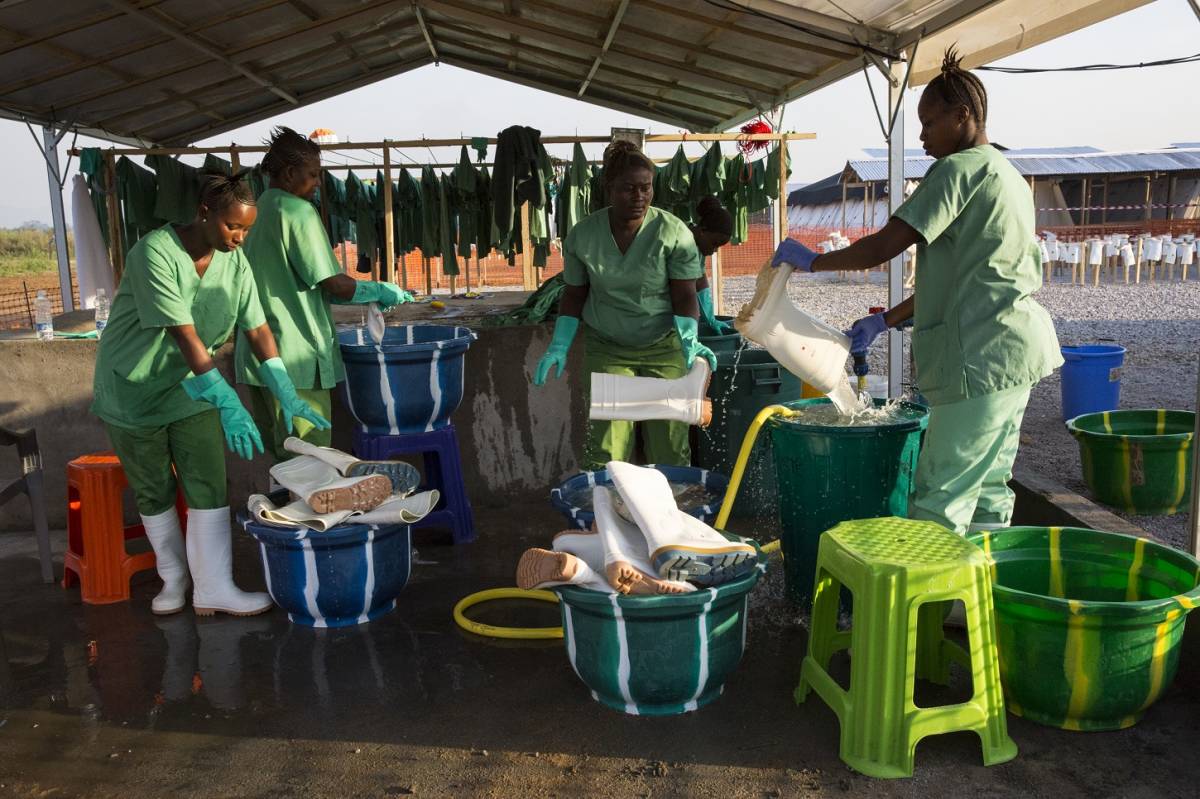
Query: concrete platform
112	701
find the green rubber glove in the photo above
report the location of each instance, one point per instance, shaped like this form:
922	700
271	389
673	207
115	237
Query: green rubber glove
240	433
556	353
688	329
704	295
275	377
388	295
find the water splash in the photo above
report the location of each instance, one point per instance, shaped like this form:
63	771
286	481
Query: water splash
868	414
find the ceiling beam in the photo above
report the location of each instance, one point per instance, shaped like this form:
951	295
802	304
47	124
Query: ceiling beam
687	46
425	32
82	23
190	135
132	49
363	57
196	43
964	9
795	39
340	38
608	40
696	95
848	32
550	84
264	46
535	31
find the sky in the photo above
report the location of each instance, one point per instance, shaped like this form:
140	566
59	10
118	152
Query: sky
1121	110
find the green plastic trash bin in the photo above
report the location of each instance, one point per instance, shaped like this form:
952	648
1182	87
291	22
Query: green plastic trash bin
830	474
740	388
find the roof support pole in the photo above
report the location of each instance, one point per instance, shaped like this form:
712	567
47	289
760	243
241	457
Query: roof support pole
437	59
1195	4
895	199
50	142
608	40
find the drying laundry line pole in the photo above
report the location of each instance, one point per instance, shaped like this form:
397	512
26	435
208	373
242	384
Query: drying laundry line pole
115	228
1194	508
528	275
389	233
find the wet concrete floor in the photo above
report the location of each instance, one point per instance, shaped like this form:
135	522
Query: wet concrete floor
112	701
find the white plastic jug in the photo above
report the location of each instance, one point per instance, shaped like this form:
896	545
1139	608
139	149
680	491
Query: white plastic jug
807	347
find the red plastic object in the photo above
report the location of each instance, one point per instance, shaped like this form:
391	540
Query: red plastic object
96	533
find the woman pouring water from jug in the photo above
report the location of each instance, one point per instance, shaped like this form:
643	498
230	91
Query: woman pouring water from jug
980	341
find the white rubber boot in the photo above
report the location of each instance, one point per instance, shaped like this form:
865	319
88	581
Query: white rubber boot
170	559
680	546
404	476
639	399
808	348
210	558
326	491
626	556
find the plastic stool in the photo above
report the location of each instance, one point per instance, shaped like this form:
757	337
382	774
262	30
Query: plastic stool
898	571
443	471
96	531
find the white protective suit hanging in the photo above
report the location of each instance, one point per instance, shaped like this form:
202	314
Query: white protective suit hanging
93	269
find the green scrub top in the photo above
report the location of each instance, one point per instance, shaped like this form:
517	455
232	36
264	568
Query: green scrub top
291	255
629	296
976	328
140	367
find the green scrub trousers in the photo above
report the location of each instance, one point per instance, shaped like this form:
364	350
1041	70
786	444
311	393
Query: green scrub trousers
966	461
189	453
664	442
264	409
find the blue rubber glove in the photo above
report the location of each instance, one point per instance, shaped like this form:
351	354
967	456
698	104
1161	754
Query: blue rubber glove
688	329
704	296
240	433
793	252
275	377
388	295
556	353
864	332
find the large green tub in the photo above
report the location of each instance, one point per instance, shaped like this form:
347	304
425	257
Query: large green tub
657	655
1088	623
1138	461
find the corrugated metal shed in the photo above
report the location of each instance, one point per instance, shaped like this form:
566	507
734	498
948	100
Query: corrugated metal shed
1029	163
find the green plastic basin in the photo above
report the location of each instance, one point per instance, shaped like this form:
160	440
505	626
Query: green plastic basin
1088	623
1138	461
657	655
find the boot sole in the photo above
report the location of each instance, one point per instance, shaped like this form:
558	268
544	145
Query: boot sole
364	495
215	611
704	568
538	566
170	612
404	476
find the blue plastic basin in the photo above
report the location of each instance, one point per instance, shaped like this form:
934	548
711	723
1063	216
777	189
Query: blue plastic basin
410	383
348	575
573	496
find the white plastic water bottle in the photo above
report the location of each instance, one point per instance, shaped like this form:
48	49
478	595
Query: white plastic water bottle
101	312
43	317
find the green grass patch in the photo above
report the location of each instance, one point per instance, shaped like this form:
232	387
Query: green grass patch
18	265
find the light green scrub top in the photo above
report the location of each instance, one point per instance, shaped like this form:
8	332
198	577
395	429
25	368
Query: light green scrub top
976	327
140	367
629	296
291	255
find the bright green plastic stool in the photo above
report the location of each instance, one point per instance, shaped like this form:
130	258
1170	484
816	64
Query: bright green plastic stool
898	570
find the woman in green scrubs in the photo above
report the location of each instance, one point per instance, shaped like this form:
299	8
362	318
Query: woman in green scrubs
980	340
298	277
630	271
165	405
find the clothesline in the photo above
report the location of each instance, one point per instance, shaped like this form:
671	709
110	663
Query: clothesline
107	199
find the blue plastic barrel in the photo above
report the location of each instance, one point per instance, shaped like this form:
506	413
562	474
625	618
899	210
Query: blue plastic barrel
409	383
1091	379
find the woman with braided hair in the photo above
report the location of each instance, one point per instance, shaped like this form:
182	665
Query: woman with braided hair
630	271
165	405
980	340
298	277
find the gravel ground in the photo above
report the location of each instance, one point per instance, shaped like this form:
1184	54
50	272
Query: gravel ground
1158	323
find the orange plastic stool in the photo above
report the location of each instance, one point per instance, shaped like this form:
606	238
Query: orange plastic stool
96	531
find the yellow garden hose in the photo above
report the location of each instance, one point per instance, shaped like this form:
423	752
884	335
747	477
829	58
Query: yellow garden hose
739	466
492	631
